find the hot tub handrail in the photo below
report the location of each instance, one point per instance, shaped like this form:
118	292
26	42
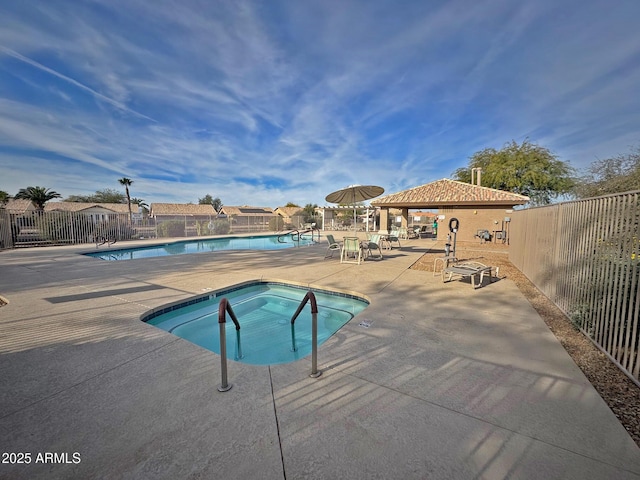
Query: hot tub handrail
309	297
223	308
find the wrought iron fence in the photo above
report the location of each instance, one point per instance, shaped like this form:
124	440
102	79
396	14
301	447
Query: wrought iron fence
72	228
585	256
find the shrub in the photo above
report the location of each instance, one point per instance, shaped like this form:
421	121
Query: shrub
219	227
276	224
171	228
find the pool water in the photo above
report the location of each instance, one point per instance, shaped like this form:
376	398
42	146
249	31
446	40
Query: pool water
262	242
264	311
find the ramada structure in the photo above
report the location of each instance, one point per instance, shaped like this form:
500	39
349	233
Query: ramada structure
476	208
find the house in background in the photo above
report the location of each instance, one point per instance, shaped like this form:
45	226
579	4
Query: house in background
66	222
19	207
247	218
178	211
183	219
97	212
293	217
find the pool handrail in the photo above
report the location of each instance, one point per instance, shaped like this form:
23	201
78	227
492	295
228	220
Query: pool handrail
223	308
309	297
102	239
297	234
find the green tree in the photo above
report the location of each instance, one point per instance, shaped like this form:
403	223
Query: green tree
526	169
127	183
108	195
79	199
206	200
309	212
38	195
216	203
611	175
4	198
291	204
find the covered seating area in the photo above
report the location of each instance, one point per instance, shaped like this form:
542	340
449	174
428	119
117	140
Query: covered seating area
476	207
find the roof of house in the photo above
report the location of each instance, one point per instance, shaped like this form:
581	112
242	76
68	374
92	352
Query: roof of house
182	209
288	211
247	210
81	206
449	193
22	206
19	205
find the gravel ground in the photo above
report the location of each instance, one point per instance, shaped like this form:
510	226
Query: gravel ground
621	394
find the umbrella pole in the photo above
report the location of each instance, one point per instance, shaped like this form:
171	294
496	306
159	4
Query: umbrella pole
355	219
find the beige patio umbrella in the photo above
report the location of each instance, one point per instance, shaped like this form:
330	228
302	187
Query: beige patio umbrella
353	194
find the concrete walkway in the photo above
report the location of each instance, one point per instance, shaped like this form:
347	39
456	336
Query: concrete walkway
446	383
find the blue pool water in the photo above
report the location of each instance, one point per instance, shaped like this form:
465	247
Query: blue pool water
263	242
264	311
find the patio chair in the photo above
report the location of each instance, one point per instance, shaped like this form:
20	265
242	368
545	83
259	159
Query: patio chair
333	246
393	237
373	244
351	250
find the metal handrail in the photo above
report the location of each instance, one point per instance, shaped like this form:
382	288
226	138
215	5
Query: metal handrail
224	308
310	296
291	232
297	234
102	239
312	230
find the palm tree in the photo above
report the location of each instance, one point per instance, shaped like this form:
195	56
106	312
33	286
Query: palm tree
38	195
140	203
127	182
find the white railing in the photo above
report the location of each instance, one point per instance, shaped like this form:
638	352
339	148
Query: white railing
69	228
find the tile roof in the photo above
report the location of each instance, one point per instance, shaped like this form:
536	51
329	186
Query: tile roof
288	211
19	205
246	210
182	209
447	192
81	206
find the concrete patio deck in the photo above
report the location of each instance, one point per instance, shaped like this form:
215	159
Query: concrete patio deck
446	383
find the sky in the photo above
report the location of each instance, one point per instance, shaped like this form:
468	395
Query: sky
268	102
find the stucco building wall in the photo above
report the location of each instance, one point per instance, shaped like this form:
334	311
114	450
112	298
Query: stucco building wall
472	219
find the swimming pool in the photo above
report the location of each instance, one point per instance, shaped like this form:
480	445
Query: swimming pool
264	310
262	242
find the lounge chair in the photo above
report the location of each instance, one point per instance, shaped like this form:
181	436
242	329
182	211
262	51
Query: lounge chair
468	269
333	246
351	250
373	244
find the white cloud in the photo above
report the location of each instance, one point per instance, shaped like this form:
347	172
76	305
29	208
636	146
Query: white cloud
303	98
